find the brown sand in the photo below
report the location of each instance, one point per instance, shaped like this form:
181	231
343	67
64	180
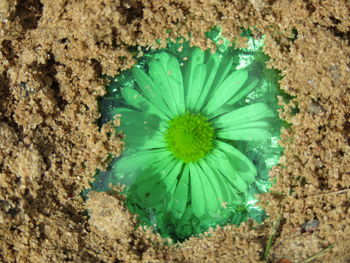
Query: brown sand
52	53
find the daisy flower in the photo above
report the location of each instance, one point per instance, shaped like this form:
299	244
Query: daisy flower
182	120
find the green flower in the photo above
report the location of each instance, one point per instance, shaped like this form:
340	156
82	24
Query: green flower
180	126
201	134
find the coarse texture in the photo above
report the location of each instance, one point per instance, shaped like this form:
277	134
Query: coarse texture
52	54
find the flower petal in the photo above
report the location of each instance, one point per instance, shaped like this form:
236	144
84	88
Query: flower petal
247	134
223	70
197	192
196	87
159	75
142	130
151	91
229	193
250	84
156	170
241	164
136	100
211	196
251	131
179	201
212	177
155	190
252	124
226	90
227	170
129	167
170	178
212	68
135	144
244	114
218	69
195	59
176	82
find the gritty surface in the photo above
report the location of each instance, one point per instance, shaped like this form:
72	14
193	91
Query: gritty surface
51	56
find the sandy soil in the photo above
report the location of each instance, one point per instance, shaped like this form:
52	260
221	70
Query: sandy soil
52	54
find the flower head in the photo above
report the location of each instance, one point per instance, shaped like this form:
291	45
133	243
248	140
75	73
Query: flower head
182	120
189	137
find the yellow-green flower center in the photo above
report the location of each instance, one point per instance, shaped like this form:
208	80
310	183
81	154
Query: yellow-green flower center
190	137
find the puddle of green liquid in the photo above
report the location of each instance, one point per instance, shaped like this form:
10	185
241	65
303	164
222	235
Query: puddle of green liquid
201	134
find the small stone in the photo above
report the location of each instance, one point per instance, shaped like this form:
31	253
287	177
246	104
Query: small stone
310	226
315	108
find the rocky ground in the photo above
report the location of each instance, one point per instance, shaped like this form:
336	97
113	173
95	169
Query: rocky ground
52	54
